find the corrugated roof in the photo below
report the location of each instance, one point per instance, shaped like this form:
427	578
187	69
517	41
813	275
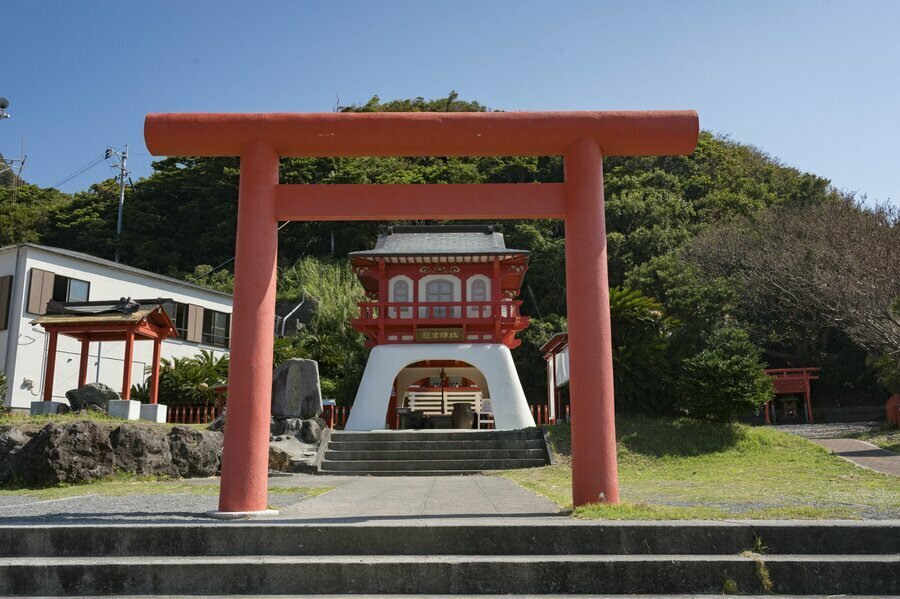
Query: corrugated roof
114	265
440	240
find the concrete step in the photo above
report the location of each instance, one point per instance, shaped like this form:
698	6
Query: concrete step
554	536
386	445
477	464
438	435
457	574
339	454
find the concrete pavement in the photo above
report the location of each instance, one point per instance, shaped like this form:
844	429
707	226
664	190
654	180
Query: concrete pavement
352	499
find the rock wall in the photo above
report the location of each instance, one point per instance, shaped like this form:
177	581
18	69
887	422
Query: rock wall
86	450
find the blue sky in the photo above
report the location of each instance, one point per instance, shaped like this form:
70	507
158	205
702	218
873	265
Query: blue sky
814	83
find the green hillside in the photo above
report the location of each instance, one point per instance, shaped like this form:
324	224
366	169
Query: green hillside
181	221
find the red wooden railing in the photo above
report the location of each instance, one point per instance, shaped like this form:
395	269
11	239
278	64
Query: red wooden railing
341	414
541	413
438	311
192	413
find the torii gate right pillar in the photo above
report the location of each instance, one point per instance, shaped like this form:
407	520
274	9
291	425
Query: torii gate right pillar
594	473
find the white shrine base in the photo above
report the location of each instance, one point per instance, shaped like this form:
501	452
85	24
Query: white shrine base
493	361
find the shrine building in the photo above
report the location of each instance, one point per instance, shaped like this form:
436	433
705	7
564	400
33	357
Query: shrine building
441	315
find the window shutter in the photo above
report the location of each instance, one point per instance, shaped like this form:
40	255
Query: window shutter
40	291
5	300
194	326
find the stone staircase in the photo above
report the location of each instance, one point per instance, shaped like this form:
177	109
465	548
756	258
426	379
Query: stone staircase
430	453
529	556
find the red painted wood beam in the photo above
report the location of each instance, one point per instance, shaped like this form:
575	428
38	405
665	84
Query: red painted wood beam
485	201
617	133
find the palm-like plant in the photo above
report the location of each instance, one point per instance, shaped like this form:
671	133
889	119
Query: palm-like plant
187	380
640	335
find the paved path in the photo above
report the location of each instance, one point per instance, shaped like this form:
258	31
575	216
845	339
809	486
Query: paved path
863	454
829	430
353	499
375	498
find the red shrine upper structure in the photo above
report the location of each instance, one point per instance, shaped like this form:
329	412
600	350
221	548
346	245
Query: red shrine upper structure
441	284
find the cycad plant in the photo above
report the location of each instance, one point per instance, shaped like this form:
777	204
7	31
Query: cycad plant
187	380
641	367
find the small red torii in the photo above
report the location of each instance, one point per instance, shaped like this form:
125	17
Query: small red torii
792	381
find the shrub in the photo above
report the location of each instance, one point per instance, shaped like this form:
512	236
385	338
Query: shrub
887	368
725	380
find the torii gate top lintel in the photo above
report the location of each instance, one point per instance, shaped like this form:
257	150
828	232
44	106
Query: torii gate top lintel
582	138
617	133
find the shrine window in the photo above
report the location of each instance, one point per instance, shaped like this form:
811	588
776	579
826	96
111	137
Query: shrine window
400	293
439	290
478	292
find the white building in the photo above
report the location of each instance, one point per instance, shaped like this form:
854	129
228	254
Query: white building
31	275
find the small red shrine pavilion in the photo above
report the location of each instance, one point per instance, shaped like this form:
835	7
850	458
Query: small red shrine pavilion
441	316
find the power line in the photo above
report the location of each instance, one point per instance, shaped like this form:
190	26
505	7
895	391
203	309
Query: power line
191	281
82	170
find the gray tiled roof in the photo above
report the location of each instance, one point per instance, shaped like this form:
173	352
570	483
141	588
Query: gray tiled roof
435	240
113	265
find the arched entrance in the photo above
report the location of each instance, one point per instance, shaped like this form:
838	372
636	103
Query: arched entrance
489	366
425	395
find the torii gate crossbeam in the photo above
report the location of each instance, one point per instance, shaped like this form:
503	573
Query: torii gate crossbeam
582	138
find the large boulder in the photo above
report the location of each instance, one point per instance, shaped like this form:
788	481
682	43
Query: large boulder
142	449
92	394
308	431
295	389
195	452
70	453
12	440
279	459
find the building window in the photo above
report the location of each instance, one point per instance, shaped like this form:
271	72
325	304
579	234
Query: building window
216	327
401	291
5	301
67	289
178	312
401	294
439	290
479	291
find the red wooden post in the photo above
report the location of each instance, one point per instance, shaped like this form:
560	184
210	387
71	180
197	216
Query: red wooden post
594	470
83	362
51	366
154	373
126	372
245	462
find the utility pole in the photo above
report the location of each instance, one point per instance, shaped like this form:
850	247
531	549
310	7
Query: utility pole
123	174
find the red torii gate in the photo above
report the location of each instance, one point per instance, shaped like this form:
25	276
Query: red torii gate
582	138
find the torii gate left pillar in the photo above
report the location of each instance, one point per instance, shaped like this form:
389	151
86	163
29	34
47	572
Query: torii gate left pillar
260	139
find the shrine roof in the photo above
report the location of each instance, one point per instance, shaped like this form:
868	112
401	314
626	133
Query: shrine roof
437	240
98	313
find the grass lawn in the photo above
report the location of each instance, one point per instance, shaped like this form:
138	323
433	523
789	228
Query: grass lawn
38	422
673	469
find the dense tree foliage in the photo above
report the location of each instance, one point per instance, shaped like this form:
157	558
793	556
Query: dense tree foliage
181	221
725	380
